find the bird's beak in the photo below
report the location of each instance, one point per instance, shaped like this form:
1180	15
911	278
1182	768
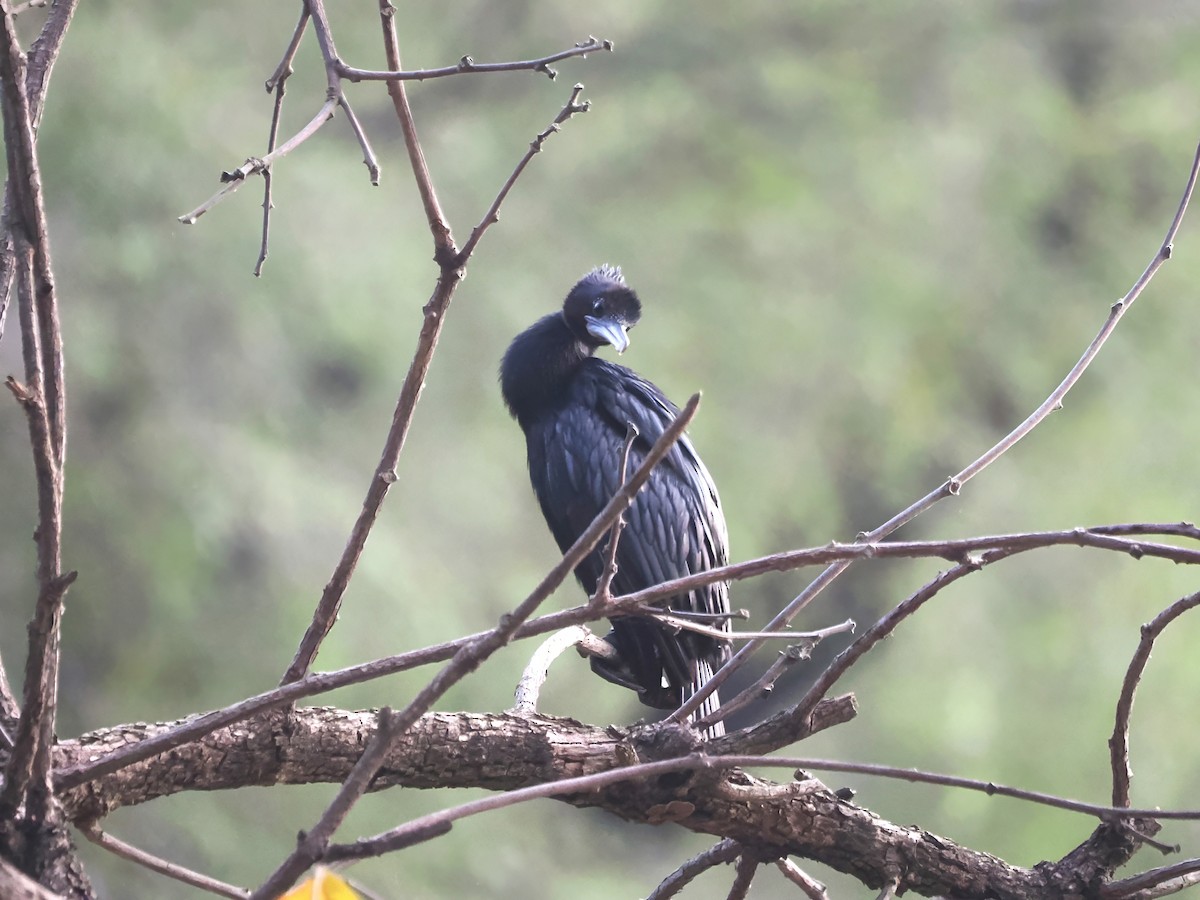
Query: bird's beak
609	330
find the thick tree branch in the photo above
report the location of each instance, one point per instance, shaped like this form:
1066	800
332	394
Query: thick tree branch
544	756
773	730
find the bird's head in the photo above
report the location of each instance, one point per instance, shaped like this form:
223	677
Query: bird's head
601	308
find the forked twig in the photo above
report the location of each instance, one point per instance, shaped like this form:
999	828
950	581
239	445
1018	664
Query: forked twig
118	847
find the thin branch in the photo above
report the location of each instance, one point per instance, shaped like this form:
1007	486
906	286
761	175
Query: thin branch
1118	744
534	676
603	592
268	203
812	888
763	687
841	663
747	865
953	485
256	166
721	853
492	216
1159	882
468	66
435	310
443	241
284	69
134	854
433	824
672	620
369	158
1101	538
889	890
311	847
320	683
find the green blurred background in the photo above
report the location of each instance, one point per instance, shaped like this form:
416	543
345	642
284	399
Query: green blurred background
874	237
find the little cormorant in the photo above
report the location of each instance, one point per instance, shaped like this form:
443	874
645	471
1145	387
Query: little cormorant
575	410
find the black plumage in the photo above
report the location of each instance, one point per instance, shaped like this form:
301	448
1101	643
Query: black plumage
575	410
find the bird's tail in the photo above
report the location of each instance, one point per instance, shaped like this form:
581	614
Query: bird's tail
704	674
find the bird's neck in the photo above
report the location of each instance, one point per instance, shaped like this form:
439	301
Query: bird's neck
539	366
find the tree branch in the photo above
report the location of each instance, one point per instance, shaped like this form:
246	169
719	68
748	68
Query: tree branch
468	66
953	485
1118	744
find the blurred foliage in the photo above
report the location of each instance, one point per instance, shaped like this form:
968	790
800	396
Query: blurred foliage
876	237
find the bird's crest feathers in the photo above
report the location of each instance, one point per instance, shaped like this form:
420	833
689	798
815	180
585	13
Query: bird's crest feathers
604	276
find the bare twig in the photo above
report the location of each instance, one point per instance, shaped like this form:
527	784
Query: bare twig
467	66
134	854
443	242
310	847
256	166
268	203
1101	537
747	865
602	593
492	216
1159	882
720	853
1118	744
812	888
385	475
953	485
369	158
534	676
284	69
672	620
787	658
431	825
889	890
793	717
276	85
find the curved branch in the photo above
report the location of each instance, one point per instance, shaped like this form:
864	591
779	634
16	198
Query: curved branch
953	485
1118	744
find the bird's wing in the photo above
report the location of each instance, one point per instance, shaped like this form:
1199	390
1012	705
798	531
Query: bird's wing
675	525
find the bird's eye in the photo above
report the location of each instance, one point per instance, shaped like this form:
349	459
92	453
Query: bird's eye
597	306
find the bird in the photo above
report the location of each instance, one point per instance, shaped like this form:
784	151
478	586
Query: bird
576	410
